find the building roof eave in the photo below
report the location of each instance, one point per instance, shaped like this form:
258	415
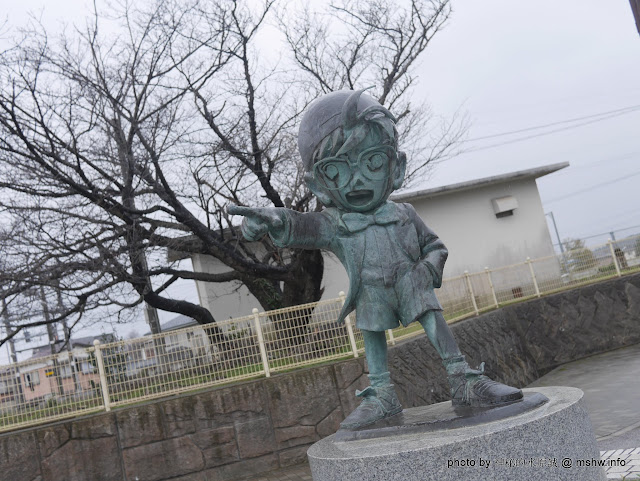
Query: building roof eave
473	184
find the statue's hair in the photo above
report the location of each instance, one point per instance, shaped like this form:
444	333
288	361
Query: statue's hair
355	127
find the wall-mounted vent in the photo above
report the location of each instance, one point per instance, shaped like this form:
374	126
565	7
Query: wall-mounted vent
504	206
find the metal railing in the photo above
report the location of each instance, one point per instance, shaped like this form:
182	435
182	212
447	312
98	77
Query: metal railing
109	375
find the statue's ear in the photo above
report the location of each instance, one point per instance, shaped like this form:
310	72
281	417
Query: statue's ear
399	171
317	189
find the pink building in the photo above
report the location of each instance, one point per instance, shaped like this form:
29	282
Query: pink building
44	375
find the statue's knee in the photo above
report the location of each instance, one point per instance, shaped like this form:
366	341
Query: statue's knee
427	320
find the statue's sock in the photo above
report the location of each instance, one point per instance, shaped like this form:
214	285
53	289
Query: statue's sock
380	380
455	365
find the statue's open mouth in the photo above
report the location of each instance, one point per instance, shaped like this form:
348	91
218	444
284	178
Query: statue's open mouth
360	197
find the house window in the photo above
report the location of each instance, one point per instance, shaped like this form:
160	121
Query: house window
173	339
65	371
32	379
87	367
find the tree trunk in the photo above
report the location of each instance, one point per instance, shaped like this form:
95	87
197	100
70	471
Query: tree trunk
308	274
291	328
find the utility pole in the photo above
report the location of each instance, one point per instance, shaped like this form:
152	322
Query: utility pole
127	162
151	316
12	350
555	227
128	200
52	333
7	325
68	341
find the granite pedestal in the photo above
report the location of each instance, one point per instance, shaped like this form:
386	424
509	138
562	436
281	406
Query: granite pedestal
547	437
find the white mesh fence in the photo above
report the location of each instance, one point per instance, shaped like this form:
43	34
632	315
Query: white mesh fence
80	381
49	388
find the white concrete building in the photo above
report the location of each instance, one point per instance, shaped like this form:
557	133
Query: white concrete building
490	222
181	342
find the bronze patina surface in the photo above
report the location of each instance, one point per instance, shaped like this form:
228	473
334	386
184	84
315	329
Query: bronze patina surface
349	150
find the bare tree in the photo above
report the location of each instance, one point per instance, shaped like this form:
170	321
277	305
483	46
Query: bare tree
117	147
379	43
635	8
578	256
88	125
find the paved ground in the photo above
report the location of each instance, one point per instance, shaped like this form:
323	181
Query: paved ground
296	473
611	384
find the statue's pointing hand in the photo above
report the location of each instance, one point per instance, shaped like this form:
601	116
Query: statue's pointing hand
258	221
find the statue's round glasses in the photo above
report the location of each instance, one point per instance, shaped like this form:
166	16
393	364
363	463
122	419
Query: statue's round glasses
336	172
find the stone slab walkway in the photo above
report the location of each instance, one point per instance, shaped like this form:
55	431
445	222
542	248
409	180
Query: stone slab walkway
622	462
611	385
295	473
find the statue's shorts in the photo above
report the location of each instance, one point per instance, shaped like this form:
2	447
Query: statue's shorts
380	307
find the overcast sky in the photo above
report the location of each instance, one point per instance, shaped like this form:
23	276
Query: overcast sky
521	65
517	65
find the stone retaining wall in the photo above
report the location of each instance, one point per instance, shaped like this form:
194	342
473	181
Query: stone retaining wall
261	425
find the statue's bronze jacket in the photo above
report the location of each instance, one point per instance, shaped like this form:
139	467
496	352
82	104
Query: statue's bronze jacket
326	230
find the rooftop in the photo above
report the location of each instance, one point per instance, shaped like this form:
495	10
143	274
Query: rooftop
178	322
87	341
175	323
474	184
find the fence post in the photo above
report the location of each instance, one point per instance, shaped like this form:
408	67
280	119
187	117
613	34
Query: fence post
104	387
392	339
493	291
473	297
347	321
533	276
261	345
615	260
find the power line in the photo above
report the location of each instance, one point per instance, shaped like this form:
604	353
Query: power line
560	122
596	186
593	236
608	159
595	163
609	233
529	137
616	228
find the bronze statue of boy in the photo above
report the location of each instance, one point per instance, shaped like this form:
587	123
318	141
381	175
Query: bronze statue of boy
348	144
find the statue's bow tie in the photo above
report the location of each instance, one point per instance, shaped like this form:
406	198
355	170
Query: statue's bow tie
356	222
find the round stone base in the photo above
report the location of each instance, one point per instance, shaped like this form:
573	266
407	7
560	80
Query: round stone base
553	441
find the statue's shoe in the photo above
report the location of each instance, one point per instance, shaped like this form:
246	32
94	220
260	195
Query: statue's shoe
473	388
377	403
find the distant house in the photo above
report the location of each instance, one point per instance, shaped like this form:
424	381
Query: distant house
9	388
182	345
140	355
489	222
66	372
